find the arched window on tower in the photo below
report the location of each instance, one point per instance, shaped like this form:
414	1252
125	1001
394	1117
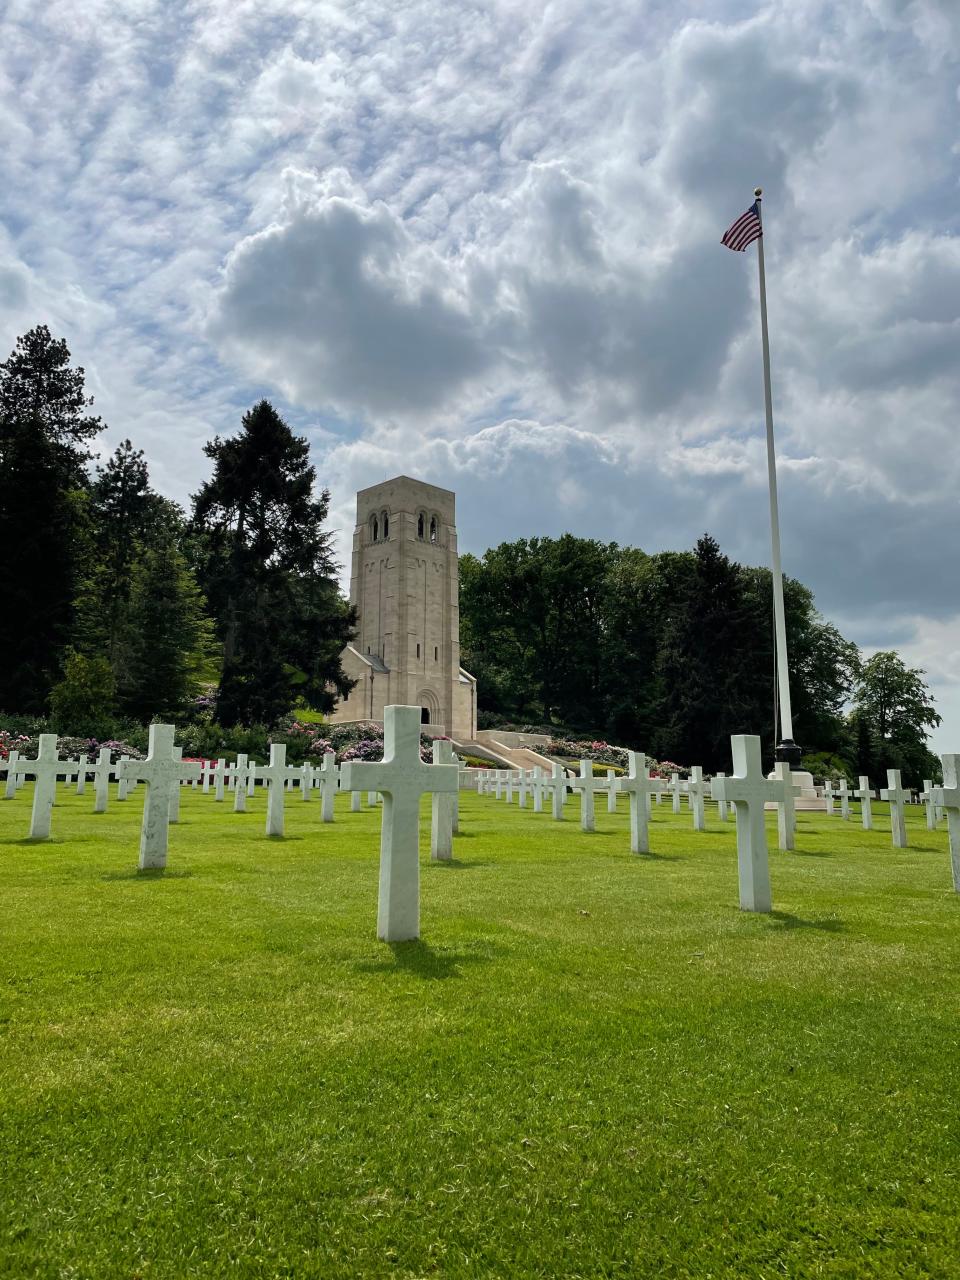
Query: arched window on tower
374	528
420	526
433	529
386	526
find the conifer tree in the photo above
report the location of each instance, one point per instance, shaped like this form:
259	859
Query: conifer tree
268	573
168	637
44	428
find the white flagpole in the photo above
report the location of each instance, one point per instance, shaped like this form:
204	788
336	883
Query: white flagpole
787	749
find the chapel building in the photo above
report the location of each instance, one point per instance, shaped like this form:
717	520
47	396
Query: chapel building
404	583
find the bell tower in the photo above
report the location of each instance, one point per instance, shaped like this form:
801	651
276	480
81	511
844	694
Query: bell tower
404	583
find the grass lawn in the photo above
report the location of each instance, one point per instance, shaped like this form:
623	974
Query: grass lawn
592	1065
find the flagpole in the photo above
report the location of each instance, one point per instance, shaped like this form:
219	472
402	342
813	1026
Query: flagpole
787	749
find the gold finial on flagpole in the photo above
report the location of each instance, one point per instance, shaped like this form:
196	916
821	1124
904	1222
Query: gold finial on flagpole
758	192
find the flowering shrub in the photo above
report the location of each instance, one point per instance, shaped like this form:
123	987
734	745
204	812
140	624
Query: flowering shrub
68	747
599	752
13	742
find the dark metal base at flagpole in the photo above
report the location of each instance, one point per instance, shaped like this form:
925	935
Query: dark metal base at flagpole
789	753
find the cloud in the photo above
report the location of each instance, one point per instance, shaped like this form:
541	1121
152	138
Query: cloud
481	243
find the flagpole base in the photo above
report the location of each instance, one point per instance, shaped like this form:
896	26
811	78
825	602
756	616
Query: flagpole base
789	753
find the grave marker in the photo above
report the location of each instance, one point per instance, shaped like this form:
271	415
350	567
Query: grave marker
274	776
586	784
441	808
897	797
948	797
749	791
611	791
639	786
45	770
240	773
101	781
403	778
10	789
865	795
696	790
327	780
162	772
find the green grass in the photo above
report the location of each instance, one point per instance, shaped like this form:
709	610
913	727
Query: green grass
592	1064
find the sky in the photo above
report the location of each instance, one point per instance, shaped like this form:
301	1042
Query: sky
479	244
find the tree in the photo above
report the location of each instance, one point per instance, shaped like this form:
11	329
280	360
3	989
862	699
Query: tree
126	516
43	512
706	669
82	704
267	570
893	709
168	637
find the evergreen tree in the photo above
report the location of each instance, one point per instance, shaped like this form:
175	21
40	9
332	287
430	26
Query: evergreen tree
43	431
705	668
168	638
125	517
267	570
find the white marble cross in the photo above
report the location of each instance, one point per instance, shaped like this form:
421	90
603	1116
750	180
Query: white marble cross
843	791
786	809
402	778
251	778
522	789
306	781
948	797
441	808
10	789
327	781
611	791
929	804
205	783
676	789
82	771
355	801
895	793
274	777
749	791
587	784
498	791
162	772
556	784
537	788
697	790
219	778
240	770
101	781
44	769
639	786
865	795
828	795
123	786
177	753
721	804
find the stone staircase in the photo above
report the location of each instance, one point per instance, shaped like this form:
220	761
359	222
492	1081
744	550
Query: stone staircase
512	755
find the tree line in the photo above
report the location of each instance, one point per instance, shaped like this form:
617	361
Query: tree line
117	603
672	653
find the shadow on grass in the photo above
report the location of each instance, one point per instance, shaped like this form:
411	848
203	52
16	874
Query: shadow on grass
461	864
419	958
149	873
787	921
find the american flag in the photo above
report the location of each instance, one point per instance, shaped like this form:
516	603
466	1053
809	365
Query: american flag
745	230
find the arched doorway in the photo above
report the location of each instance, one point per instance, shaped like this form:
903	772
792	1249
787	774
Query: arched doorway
429	707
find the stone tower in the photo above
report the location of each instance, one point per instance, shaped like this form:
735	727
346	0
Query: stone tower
404	583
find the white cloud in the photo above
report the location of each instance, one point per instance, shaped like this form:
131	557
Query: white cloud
481	242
